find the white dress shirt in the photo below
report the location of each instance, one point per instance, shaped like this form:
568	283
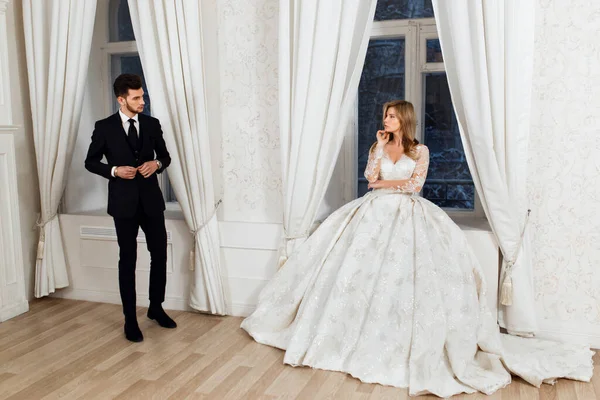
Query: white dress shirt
125	120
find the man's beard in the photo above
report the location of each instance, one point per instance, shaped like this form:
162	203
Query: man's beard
131	109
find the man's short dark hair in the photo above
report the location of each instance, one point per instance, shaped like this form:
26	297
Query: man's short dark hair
124	82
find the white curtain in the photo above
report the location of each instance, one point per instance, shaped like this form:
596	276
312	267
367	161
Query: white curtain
170	42
488	53
58	37
322	48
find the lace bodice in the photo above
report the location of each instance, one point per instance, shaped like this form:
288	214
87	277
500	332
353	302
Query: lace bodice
413	172
403	169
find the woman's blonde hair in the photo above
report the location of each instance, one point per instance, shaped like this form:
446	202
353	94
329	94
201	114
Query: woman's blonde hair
408	125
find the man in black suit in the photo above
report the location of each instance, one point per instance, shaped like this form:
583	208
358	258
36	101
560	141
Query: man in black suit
135	150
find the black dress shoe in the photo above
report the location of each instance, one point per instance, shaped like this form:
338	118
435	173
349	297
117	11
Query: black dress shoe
158	314
133	332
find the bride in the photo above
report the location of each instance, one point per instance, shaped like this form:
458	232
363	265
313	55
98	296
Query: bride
388	290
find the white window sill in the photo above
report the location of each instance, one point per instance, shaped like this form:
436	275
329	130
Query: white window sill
173	212
471	222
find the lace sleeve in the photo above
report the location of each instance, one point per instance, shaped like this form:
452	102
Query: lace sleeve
417	180
374	163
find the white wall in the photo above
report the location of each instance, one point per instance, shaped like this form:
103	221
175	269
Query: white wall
27	180
251	168
248	48
564	169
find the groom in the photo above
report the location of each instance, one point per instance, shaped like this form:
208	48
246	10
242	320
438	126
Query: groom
135	152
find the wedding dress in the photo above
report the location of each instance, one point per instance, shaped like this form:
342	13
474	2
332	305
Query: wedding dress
388	290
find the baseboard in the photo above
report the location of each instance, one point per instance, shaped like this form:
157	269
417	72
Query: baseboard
171	303
241	309
96	296
14	310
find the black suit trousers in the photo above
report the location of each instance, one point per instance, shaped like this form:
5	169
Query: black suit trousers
127	229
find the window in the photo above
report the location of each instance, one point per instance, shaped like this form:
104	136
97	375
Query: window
404	61
121	56
403	9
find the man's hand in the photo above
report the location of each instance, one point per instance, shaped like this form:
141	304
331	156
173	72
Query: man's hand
148	168
125	172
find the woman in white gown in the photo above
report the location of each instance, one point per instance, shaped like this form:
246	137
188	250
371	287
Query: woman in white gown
388	290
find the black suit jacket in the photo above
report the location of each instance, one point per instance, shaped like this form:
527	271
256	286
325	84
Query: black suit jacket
110	140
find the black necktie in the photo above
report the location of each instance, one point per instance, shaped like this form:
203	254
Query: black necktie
132	134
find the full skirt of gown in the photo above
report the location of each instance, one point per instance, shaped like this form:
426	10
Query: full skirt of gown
388	290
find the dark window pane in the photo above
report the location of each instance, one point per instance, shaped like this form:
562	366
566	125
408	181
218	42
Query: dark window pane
382	80
168	191
129	64
434	51
449	183
362	185
119	20
403	9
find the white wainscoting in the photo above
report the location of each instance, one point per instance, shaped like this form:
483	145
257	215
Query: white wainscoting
13	300
248	253
93	254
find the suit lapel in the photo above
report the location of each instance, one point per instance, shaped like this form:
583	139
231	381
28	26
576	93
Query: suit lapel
141	134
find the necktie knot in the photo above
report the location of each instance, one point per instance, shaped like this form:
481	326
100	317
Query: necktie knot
131	121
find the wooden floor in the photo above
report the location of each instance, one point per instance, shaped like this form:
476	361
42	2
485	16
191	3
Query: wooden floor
76	350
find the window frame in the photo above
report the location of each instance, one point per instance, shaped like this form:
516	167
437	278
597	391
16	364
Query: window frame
415	33
107	50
